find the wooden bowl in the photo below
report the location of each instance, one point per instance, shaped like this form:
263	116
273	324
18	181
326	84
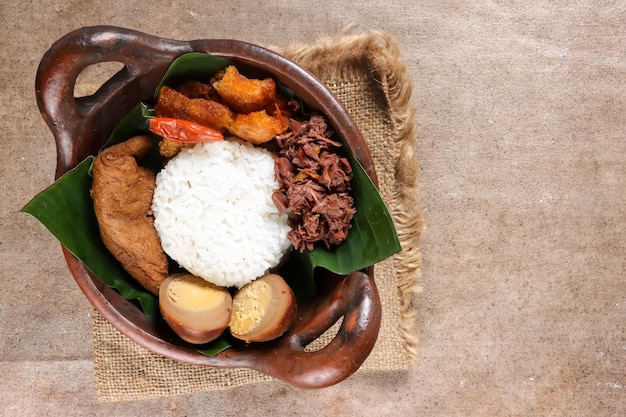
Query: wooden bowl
82	125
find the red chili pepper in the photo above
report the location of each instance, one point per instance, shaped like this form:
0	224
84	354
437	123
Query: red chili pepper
183	131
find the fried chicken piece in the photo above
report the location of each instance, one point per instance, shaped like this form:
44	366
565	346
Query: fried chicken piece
258	127
122	198
245	95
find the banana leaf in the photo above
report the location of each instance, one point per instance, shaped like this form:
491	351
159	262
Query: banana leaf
192	66
65	208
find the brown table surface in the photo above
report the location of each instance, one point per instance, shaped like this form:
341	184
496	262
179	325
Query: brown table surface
521	123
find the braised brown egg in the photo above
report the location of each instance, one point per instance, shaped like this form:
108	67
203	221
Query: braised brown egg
195	309
263	309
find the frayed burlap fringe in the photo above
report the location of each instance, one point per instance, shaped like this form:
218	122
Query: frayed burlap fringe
366	74
337	60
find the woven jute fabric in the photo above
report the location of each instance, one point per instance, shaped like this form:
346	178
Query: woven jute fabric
367	75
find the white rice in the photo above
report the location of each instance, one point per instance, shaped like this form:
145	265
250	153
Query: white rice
214	213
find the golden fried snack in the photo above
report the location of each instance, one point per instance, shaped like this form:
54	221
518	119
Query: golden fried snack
170	148
210	113
257	127
244	95
196	89
122	198
175	104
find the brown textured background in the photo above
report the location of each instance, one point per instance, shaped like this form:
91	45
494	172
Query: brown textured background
521	125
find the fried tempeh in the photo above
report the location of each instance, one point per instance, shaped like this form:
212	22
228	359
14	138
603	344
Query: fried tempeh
122	198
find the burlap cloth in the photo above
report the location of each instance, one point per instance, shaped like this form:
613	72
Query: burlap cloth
368	77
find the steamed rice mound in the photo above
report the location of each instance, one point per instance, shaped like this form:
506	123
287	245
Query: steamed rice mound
214	214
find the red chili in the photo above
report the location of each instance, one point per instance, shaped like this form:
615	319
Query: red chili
183	131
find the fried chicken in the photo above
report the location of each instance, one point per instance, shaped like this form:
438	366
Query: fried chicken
122	198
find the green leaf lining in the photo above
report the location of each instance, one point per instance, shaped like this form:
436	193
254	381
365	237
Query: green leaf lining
65	208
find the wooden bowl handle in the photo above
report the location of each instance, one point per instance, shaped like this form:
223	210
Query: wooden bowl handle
355	299
82	125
